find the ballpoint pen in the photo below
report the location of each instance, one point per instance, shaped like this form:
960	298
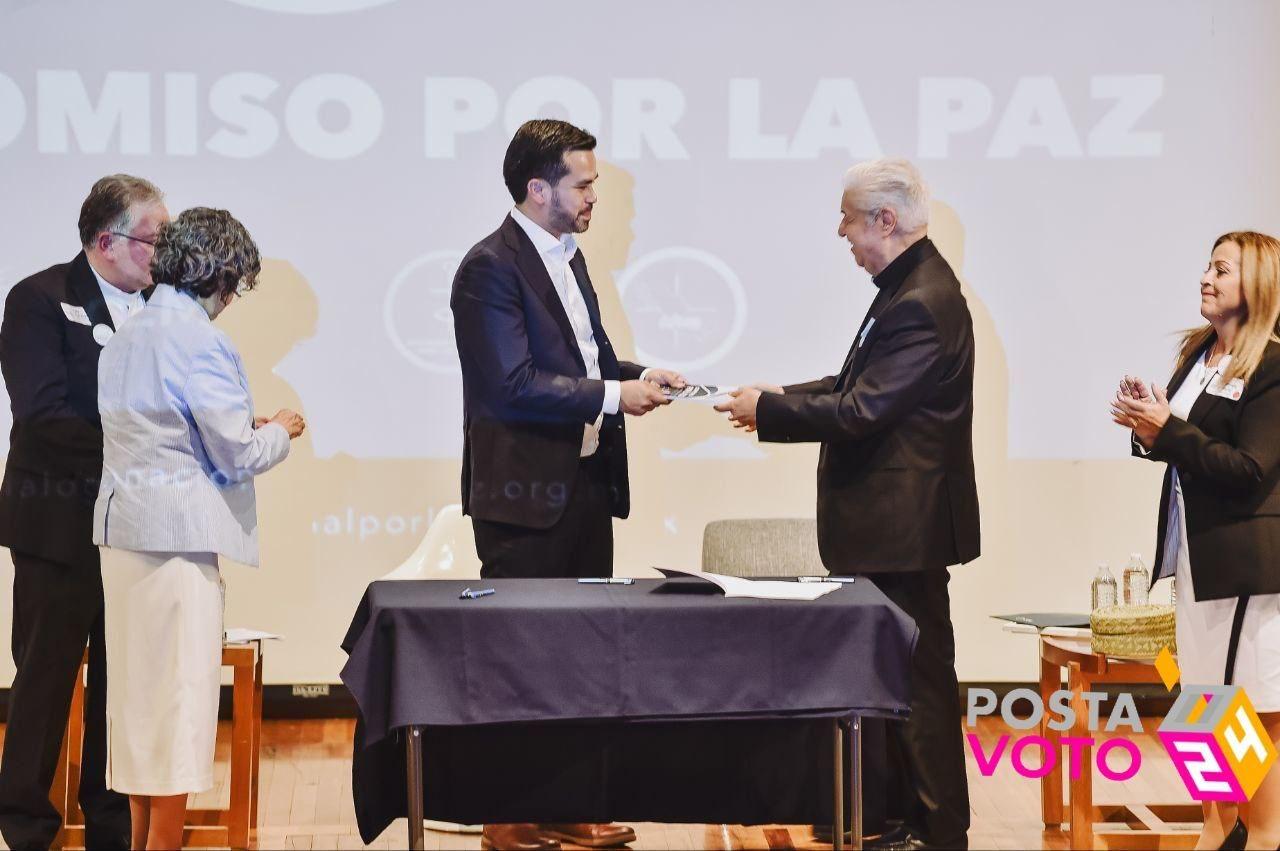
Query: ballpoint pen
605	580
468	594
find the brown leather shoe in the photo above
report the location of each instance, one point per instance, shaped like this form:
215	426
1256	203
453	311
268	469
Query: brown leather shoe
515	837
590	835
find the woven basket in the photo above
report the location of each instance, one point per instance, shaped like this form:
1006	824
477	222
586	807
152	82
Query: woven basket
1133	632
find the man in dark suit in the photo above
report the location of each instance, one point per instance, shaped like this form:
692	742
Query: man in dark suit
55	325
897	499
544	459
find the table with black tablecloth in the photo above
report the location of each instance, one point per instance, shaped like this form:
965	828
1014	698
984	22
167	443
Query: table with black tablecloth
554	701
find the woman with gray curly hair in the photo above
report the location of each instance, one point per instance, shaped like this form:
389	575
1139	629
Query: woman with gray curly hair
181	446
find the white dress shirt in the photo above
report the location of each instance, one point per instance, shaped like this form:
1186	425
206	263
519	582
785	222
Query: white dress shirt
556	254
120	304
1177	553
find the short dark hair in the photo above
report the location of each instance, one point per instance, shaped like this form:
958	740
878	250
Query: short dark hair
109	202
205	251
537	150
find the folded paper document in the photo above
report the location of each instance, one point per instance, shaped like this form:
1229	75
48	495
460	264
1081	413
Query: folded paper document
1043	620
239	635
760	589
698	393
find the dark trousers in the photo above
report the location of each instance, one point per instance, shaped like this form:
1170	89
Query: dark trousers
580	544
57	609
926	753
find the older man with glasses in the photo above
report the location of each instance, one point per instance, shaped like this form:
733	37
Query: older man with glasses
55	325
897	496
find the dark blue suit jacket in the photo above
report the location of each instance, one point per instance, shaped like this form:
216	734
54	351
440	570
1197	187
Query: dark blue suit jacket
526	394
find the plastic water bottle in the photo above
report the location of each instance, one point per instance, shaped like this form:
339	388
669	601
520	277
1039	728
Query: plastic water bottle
1137	581
1104	587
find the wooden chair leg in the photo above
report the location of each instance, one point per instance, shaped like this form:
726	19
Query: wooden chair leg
75	748
1051	783
65	791
256	764
1082	786
241	755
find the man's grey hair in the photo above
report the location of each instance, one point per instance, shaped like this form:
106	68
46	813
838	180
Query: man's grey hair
891	183
109	206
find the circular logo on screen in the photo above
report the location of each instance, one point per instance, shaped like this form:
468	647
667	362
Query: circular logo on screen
416	312
312	7
687	308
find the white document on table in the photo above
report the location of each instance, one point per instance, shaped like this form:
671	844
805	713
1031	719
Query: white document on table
1050	631
759	589
240	635
1067	631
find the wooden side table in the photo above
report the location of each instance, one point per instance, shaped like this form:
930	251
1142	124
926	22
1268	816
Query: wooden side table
1110	825
235	827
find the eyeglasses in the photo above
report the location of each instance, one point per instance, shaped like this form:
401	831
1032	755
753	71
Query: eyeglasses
150	242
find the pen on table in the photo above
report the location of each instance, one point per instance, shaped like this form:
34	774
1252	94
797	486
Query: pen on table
606	580
468	594
843	580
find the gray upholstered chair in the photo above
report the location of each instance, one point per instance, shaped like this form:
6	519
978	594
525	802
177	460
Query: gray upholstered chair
762	547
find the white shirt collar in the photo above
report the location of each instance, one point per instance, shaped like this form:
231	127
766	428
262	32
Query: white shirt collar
1223	362
166	295
542	239
113	293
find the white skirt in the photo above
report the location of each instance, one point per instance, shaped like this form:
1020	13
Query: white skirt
163	624
1204	631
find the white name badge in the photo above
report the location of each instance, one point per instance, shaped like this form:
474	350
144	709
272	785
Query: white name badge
76	314
865	331
1232	390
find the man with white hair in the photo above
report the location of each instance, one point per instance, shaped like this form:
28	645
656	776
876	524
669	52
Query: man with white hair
897	501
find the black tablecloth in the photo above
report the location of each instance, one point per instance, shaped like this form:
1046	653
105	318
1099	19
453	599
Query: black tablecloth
554	701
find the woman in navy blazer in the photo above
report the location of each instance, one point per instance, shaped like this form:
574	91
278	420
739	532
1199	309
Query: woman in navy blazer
181	446
1218	429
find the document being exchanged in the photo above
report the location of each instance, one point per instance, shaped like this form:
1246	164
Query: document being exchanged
698	393
759	589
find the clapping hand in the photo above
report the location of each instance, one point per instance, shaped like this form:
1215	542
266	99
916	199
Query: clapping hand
1135	388
1143	409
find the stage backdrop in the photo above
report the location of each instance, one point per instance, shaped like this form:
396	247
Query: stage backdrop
1082	158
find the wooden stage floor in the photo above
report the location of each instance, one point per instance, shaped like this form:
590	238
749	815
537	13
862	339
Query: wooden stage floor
306	799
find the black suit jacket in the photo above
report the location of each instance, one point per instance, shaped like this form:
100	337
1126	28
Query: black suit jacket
50	366
1227	454
896	488
526	394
